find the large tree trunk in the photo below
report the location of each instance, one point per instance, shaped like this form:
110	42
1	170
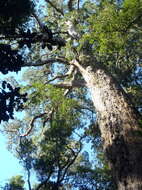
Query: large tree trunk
118	122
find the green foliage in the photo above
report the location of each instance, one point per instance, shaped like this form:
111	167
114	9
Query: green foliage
51	97
110	25
15	183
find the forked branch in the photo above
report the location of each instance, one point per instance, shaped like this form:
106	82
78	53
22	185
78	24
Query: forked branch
32	124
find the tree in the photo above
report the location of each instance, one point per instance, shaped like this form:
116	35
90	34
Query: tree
53	148
104	57
15	183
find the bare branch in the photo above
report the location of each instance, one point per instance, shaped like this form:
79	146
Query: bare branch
77	64
72	71
32	124
80	107
38	20
47	61
69	84
54	6
57	77
69	73
49	117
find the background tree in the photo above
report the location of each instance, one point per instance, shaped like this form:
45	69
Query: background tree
15	183
52	145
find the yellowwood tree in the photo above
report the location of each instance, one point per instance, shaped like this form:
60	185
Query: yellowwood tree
94	44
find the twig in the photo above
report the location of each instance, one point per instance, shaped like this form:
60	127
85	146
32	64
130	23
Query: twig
57	77
74	84
38	21
54	6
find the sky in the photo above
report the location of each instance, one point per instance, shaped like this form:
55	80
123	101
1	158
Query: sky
9	165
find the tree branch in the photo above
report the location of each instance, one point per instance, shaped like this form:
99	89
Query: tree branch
68	74
70	5
32	124
47	61
44	182
72	72
38	20
133	21
78	4
74	84
54	6
49	117
75	155
57	77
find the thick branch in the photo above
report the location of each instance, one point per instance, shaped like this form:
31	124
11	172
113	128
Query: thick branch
72	72
74	84
47	61
57	77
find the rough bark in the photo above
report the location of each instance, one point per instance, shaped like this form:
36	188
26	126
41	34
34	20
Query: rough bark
118	122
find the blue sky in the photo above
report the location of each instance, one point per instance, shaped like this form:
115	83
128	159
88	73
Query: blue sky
9	165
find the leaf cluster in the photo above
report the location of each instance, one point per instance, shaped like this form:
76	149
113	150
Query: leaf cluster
10	60
9	18
10	98
111	24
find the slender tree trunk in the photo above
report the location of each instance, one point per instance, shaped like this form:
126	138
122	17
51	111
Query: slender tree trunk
118	122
